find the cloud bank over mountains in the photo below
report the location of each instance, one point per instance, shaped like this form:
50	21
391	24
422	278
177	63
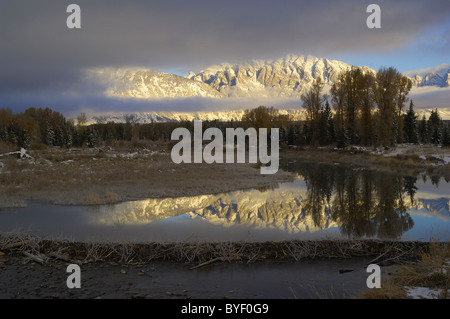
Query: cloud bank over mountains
44	64
281	81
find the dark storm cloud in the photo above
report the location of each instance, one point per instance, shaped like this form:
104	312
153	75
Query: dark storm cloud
41	57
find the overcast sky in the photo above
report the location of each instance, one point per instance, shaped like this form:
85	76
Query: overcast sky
42	61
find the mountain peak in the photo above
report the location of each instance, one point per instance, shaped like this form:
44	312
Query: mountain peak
146	83
437	76
287	76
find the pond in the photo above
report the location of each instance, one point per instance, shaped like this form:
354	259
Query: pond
323	202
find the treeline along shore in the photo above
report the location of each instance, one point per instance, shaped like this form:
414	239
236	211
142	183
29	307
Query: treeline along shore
360	109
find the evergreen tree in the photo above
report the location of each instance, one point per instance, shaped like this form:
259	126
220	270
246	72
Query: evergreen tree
324	122
68	135
331	130
291	135
50	136
445	138
342	139
410	125
306	135
6	117
283	136
91	137
423	131
3	134
294	134
434	127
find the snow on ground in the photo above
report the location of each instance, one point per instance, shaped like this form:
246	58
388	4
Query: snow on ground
423	292
129	155
446	159
423	151
22	154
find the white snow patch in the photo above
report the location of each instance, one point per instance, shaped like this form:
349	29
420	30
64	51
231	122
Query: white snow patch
22	154
129	155
423	292
446	159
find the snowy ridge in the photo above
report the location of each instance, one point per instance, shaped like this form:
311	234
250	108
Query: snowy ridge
160	117
287	77
145	83
432	79
284	77
439	77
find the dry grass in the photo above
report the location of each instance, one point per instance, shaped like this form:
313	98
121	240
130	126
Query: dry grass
417	263
405	159
388	291
7	147
200	252
431	271
106	176
131	172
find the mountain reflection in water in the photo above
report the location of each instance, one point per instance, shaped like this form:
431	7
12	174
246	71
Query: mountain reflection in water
360	203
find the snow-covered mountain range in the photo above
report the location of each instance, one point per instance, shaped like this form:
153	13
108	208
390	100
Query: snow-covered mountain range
439	77
145	83
287	77
284	77
159	117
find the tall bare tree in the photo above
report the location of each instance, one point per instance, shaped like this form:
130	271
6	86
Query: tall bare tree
313	102
391	90
82	119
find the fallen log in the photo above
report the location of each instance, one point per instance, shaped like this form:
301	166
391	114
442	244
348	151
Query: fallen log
41	260
209	262
22	153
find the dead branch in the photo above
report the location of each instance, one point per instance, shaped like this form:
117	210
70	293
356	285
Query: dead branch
41	260
210	262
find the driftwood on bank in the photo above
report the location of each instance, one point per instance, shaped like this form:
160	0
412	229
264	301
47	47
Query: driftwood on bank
209	262
22	154
40	259
200	254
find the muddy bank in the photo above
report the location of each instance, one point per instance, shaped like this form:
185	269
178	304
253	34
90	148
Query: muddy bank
166	280
406	159
200	253
32	267
106	176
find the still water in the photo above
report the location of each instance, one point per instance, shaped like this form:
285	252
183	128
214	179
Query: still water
324	202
